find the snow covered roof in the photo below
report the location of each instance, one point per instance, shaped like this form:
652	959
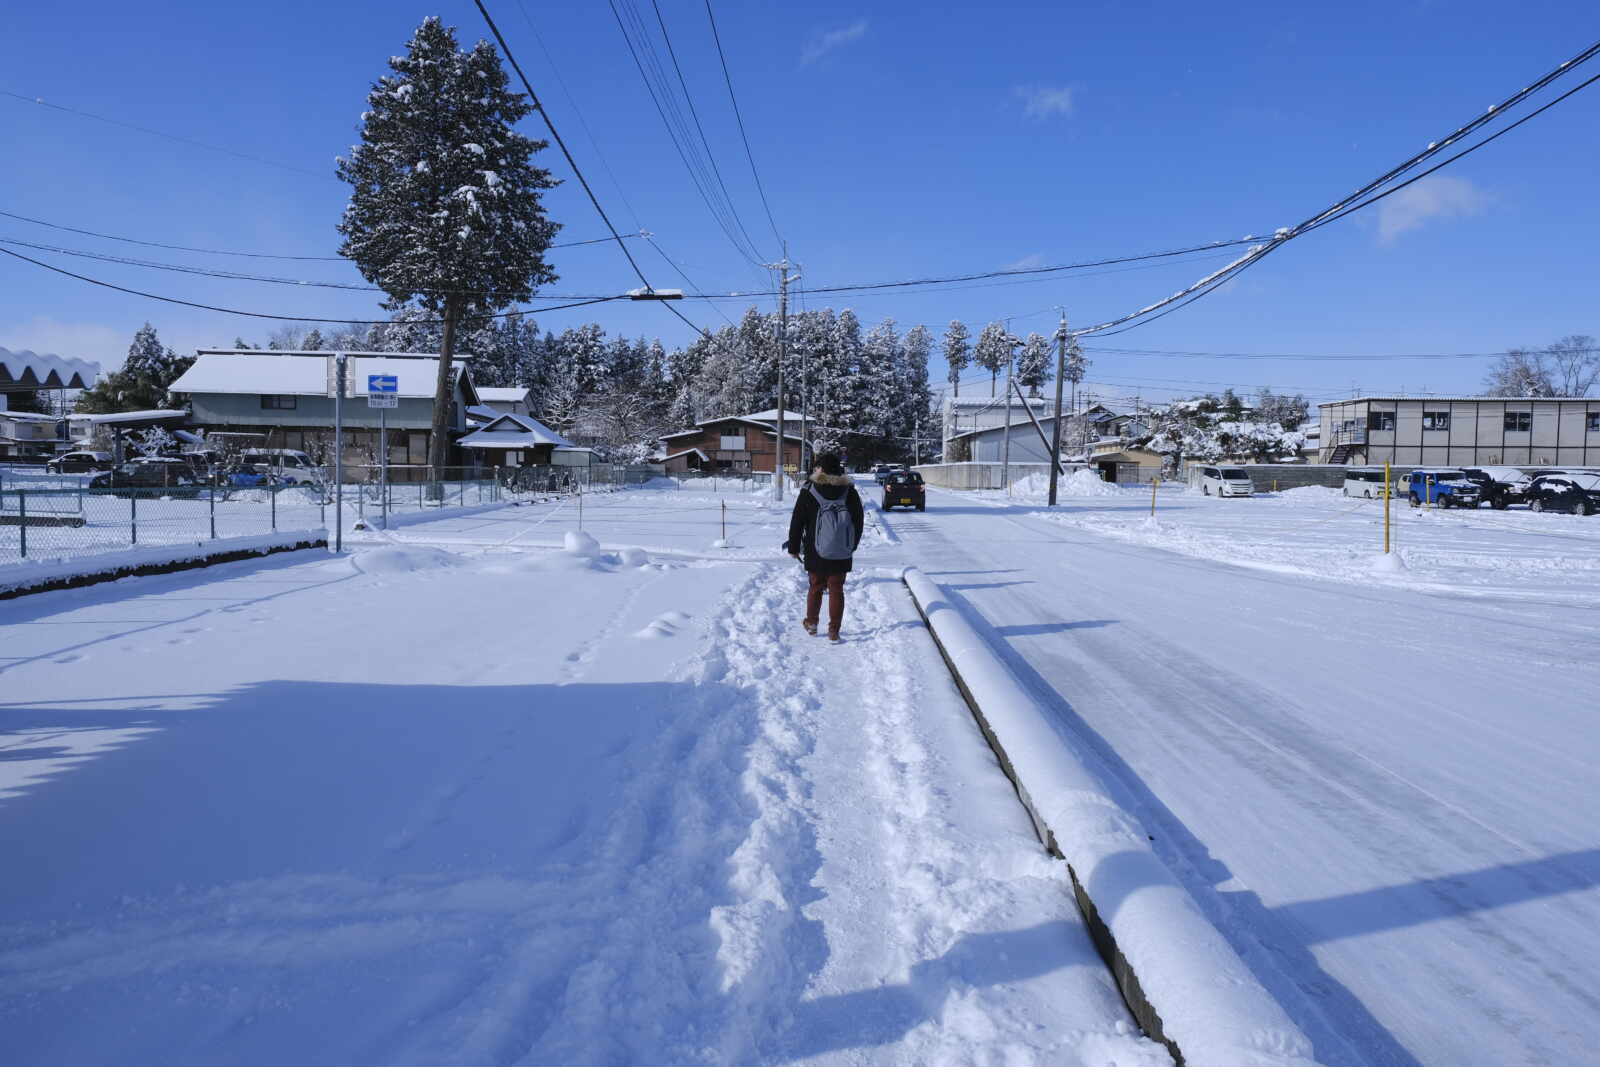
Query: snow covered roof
152	415
514	431
27	416
46	371
686	452
303	374
1452	399
494	394
771	415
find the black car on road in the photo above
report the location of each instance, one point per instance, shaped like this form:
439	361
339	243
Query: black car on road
904	489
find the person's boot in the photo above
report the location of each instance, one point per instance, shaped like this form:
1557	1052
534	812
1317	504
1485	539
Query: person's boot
833	635
810	627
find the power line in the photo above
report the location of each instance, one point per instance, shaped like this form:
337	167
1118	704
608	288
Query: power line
291	318
726	77
223	252
161	133
1291	356
551	126
677	130
1353	202
695	114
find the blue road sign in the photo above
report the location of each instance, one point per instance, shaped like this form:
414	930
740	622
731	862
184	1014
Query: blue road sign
383	383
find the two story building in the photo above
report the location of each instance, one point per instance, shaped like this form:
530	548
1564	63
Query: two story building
286	400
1461	431
732	444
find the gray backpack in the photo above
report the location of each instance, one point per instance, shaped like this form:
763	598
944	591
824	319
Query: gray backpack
835	534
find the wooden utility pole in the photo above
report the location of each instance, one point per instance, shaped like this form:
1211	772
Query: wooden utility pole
1055	436
784	278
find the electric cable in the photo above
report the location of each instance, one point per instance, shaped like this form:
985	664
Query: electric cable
728	79
292	318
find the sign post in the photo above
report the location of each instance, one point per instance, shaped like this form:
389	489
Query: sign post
383	393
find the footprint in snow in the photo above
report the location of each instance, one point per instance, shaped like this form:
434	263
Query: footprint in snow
664	625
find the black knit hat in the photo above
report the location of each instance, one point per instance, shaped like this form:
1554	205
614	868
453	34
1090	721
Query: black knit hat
829	463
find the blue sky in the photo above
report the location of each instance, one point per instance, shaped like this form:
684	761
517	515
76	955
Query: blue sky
895	142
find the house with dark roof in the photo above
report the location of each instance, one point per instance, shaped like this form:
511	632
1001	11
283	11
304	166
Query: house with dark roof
732	444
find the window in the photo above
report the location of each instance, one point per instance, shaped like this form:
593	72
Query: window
1380	420
277	403
1435	420
732	443
1593	421
1519	421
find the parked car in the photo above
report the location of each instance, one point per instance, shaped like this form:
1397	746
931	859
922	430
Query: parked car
1445	487
1364	482
1576	493
290	465
173	475
1499	486
1225	481
904	489
80	463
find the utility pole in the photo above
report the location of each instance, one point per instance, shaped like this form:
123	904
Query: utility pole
1005	455
784	278
1055	436
338	451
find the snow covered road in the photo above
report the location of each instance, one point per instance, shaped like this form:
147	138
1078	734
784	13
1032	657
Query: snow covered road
472	801
1384	792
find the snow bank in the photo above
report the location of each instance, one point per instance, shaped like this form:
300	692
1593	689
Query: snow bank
1199	994
108	566
405	559
578	543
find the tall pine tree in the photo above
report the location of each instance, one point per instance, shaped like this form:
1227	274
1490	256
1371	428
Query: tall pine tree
957	352
446	204
1033	363
993	351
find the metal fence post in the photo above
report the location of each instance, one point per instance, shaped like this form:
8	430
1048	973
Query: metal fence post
133	515
272	495
213	508
22	519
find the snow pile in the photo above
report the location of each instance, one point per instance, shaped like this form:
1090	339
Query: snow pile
405	559
1210	1004
634	557
578	543
1079	484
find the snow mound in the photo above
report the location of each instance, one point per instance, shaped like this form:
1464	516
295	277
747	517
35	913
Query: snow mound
578	543
1081	483
1390	563
635	557
1315	496
664	625
406	559
721	542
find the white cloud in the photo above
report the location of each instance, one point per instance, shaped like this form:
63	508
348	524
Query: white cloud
1430	198
1027	262
1043	101
105	345
823	43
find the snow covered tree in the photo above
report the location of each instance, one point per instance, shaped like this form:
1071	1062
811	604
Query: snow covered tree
1520	372
153	442
992	351
446	207
1033	363
312	341
1574	364
957	352
141	383
916	398
1290	412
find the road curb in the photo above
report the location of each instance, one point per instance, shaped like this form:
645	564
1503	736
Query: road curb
1182	981
178	559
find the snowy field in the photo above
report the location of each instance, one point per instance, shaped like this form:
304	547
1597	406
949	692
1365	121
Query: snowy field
1379	783
465	796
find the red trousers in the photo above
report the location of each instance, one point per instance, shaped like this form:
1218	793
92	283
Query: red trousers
834	584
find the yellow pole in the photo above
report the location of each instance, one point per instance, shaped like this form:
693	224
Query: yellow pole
1153	482
1386	484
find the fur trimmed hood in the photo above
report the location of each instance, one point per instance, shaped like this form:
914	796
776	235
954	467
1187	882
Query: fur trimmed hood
819	478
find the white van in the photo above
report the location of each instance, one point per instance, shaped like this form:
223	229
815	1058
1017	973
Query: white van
292	466
1364	482
1225	481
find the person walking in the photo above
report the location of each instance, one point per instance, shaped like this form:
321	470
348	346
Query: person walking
824	532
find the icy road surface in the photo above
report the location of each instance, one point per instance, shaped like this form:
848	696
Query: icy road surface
473	801
1382	785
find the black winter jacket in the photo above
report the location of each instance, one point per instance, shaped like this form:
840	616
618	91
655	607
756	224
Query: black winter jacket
803	523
